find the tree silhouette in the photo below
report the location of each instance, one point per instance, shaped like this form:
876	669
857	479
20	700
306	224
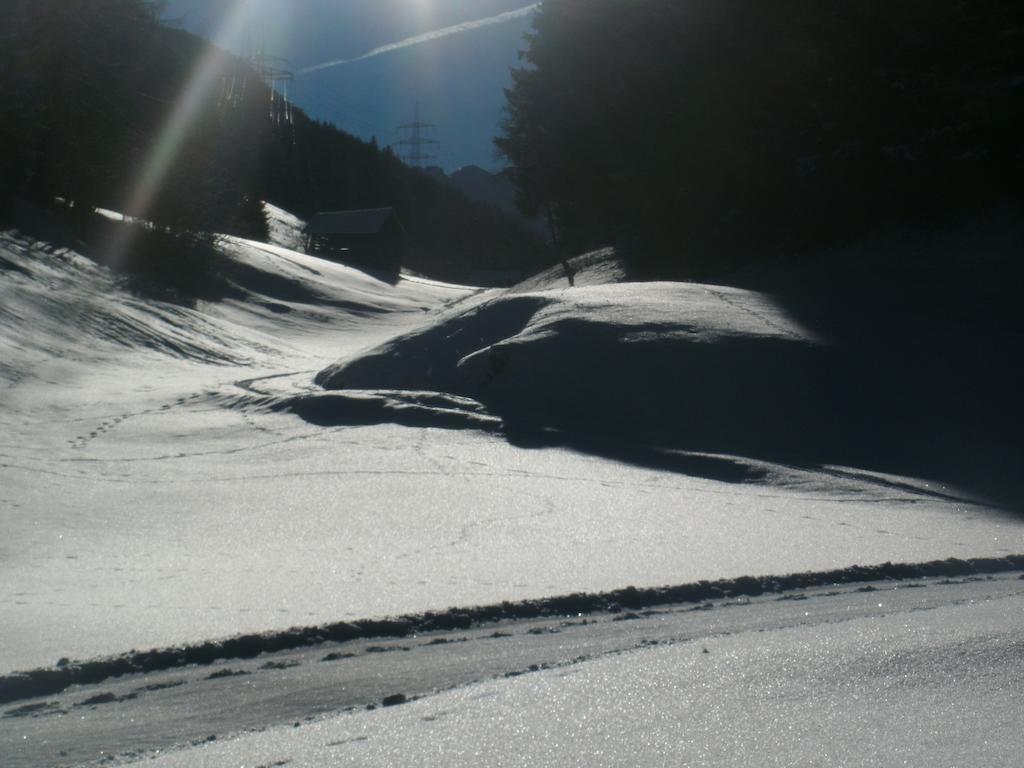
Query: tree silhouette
703	134
87	89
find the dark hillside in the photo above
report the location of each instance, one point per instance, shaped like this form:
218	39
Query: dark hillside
101	105
88	93
318	167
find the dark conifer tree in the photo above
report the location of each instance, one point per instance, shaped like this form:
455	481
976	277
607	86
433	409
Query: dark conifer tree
701	134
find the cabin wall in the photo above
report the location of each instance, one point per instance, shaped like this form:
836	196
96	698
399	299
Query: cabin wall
383	251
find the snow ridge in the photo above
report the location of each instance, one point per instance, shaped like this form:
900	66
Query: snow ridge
43	682
693	366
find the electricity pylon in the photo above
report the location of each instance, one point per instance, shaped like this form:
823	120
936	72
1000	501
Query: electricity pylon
416	139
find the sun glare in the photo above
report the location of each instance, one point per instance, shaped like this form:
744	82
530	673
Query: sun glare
424	11
205	78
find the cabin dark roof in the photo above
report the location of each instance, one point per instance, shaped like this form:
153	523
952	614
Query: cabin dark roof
370	221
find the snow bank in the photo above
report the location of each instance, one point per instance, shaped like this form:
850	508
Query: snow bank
410	409
899	687
45	682
595	268
909	366
677	363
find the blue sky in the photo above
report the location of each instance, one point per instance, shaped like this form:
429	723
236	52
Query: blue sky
457	79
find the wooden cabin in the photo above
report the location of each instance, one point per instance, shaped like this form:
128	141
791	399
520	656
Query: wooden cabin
372	238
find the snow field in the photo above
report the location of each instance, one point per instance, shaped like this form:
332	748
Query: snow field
171	474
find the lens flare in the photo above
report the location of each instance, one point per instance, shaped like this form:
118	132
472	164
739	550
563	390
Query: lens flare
201	84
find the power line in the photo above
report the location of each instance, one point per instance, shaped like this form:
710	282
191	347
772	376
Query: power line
273	71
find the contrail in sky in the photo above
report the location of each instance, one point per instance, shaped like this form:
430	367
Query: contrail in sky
426	37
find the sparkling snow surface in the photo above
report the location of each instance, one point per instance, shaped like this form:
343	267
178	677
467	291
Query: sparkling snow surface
149	496
924	688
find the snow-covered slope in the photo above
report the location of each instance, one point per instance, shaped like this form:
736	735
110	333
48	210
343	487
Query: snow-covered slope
171	474
893	356
59	305
699	366
593	268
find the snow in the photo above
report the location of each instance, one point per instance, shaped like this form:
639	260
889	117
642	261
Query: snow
143	537
938	686
684	357
286	229
594	268
172	474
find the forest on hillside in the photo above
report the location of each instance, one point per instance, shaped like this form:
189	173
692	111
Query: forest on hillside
700	135
103	105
